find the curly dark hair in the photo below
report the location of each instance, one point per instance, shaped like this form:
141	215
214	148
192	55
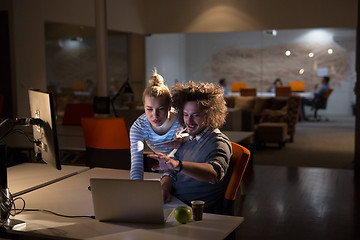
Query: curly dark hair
208	95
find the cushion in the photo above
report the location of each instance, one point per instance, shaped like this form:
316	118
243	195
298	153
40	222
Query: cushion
269	115
230	102
245	102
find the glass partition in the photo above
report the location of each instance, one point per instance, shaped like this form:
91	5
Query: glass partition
71	63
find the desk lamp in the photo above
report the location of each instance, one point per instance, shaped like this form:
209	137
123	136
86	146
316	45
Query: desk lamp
127	94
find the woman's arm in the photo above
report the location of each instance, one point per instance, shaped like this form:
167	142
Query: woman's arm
136	150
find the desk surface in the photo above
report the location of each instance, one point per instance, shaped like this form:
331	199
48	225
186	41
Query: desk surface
270	94
29	175
71	197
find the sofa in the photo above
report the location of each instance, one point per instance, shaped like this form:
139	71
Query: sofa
250	111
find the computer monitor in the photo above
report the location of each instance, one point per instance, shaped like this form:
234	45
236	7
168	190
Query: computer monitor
45	134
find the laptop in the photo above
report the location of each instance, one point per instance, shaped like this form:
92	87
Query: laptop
125	200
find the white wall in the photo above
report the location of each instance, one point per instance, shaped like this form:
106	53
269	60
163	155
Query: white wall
166	52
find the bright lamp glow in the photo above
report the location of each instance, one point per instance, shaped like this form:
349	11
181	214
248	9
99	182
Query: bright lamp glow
330	51
311	54
317	35
301	71
288	52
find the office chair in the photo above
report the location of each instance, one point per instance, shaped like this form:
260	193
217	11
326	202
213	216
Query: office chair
321	104
247	91
107	143
238	163
75	111
283	91
236	86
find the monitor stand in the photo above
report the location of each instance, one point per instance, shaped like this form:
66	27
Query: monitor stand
5	200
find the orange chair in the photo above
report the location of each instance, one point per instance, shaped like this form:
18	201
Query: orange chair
238	163
248	91
107	142
79	86
283	91
236	86
297	86
75	111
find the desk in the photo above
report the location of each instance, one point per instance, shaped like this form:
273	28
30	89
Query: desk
26	176
301	94
71	197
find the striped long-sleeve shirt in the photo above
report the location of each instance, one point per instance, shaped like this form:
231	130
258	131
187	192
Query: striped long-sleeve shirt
141	132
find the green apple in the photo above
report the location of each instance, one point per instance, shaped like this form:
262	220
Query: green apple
182	214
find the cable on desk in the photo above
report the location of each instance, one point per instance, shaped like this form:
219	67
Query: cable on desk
9	207
57	214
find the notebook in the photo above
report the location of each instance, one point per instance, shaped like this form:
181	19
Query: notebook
124	200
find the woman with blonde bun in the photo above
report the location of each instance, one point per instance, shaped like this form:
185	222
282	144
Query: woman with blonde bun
158	126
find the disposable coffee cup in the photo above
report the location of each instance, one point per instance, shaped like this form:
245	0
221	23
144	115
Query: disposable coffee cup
197	209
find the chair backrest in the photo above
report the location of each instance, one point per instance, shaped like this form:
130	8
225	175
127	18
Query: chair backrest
321	103
248	91
75	111
107	143
79	86
297	86
236	86
105	133
283	91
328	92
238	162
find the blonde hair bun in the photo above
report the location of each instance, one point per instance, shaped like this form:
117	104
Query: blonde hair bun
156	80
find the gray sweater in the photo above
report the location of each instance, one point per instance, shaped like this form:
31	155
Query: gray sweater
213	147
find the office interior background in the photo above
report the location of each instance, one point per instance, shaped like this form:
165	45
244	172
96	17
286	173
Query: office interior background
52	45
201	42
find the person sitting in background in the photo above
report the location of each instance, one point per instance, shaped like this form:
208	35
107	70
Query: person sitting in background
318	95
158	125
223	85
275	84
198	169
